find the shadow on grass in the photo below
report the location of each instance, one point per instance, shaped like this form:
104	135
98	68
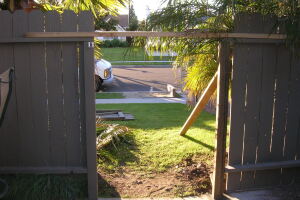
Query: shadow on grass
118	154
105	189
199	142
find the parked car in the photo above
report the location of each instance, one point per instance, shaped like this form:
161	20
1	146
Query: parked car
103	73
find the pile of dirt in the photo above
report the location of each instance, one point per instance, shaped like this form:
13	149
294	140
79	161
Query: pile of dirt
186	179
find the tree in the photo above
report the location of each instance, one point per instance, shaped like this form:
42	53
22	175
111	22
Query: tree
199	56
133	20
96	6
106	23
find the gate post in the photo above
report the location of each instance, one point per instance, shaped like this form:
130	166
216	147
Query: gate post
221	119
90	117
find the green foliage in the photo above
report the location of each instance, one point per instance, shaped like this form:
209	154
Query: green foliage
133	20
46	187
101	23
199	15
114	43
197	56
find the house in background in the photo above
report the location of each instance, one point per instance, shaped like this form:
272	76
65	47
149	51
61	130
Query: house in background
123	24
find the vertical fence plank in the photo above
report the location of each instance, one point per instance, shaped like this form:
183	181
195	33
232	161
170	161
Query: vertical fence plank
254	65
71	96
266	113
280	110
292	121
221	117
86	23
238	93
55	93
28	150
39	90
9	131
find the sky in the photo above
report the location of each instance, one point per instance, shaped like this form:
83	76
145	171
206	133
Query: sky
142	7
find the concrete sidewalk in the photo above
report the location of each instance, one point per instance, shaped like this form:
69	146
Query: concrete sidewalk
141	100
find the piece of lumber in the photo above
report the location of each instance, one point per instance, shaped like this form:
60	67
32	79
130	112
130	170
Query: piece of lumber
187	34
121	115
224	70
208	92
262	166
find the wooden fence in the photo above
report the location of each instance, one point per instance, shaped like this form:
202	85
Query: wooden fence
264	128
49	125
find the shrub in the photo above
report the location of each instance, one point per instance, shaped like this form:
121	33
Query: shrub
114	43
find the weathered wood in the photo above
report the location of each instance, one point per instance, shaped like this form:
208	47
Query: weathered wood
208	92
266	112
262	166
9	130
221	118
39	91
28	153
237	117
71	95
292	121
57	132
238	94
188	34
86	23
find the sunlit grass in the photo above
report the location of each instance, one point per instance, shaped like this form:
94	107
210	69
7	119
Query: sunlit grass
154	143
107	95
132	54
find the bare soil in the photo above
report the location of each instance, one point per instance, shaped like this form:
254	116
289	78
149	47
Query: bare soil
187	178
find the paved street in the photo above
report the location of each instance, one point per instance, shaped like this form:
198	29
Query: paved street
142	78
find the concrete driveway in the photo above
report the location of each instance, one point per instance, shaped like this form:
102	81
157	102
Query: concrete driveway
142	78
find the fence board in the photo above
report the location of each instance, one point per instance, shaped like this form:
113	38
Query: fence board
71	96
23	90
39	91
238	92
55	94
266	111
9	148
254	62
86	21
239	81
292	124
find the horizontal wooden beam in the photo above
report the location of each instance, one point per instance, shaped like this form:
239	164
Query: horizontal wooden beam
42	170
187	34
262	166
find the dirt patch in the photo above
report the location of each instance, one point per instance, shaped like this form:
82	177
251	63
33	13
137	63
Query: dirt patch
187	178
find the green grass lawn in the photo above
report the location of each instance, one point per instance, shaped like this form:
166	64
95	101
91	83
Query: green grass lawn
154	143
109	96
131	54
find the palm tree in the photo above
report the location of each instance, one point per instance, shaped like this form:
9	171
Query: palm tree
96	6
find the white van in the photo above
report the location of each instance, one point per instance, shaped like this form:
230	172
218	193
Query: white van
103	73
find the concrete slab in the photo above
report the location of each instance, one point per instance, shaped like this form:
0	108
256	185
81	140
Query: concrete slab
253	195
141	100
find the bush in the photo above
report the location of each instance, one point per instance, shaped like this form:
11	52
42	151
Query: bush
114	43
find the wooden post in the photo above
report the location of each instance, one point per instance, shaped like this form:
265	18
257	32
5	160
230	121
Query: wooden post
208	92
90	117
221	118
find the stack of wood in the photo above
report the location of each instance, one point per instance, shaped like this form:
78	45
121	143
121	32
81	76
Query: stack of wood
113	115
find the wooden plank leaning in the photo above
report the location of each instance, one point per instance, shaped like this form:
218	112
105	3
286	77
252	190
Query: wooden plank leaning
208	92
